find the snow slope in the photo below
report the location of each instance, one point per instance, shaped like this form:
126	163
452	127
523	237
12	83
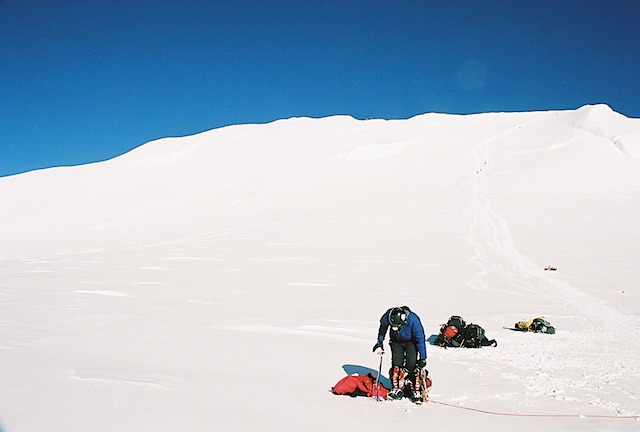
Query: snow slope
225	281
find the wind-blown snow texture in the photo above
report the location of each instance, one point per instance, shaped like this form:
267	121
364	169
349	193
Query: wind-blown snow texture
225	281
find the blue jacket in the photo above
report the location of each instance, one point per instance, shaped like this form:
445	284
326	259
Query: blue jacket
413	332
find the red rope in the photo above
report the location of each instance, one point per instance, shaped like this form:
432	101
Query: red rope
636	417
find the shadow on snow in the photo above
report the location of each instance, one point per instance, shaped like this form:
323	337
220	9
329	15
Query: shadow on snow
363	370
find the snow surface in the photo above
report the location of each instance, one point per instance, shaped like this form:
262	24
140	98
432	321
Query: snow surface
225	281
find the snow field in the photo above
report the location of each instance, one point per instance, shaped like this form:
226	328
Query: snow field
226	281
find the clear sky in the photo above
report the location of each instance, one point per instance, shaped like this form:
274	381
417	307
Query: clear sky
87	80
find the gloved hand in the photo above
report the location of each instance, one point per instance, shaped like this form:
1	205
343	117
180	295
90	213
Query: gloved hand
421	363
377	346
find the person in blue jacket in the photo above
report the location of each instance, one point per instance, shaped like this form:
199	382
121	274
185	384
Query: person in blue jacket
408	350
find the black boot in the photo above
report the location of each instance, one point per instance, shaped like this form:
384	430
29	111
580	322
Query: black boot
395	394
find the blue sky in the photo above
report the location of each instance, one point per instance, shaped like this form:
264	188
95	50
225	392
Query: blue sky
87	80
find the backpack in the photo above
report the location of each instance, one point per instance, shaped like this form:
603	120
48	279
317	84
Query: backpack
450	333
456	333
536	325
456	322
359	385
473	337
540	325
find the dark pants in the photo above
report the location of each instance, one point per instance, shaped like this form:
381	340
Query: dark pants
404	355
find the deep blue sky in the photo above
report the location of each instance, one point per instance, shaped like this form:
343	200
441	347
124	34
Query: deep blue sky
87	80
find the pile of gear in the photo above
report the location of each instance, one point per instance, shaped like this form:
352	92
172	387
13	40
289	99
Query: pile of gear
458	334
535	325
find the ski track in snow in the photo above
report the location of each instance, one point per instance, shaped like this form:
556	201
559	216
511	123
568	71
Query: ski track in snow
541	371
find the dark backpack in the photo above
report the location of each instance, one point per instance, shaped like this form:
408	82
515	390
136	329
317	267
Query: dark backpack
456	322
451	332
473	337
540	325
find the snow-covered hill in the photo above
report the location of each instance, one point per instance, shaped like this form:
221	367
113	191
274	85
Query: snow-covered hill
225	281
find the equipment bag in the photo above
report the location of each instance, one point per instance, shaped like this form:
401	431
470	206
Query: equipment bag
450	333
473	337
535	325
359	385
540	325
456	322
456	333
